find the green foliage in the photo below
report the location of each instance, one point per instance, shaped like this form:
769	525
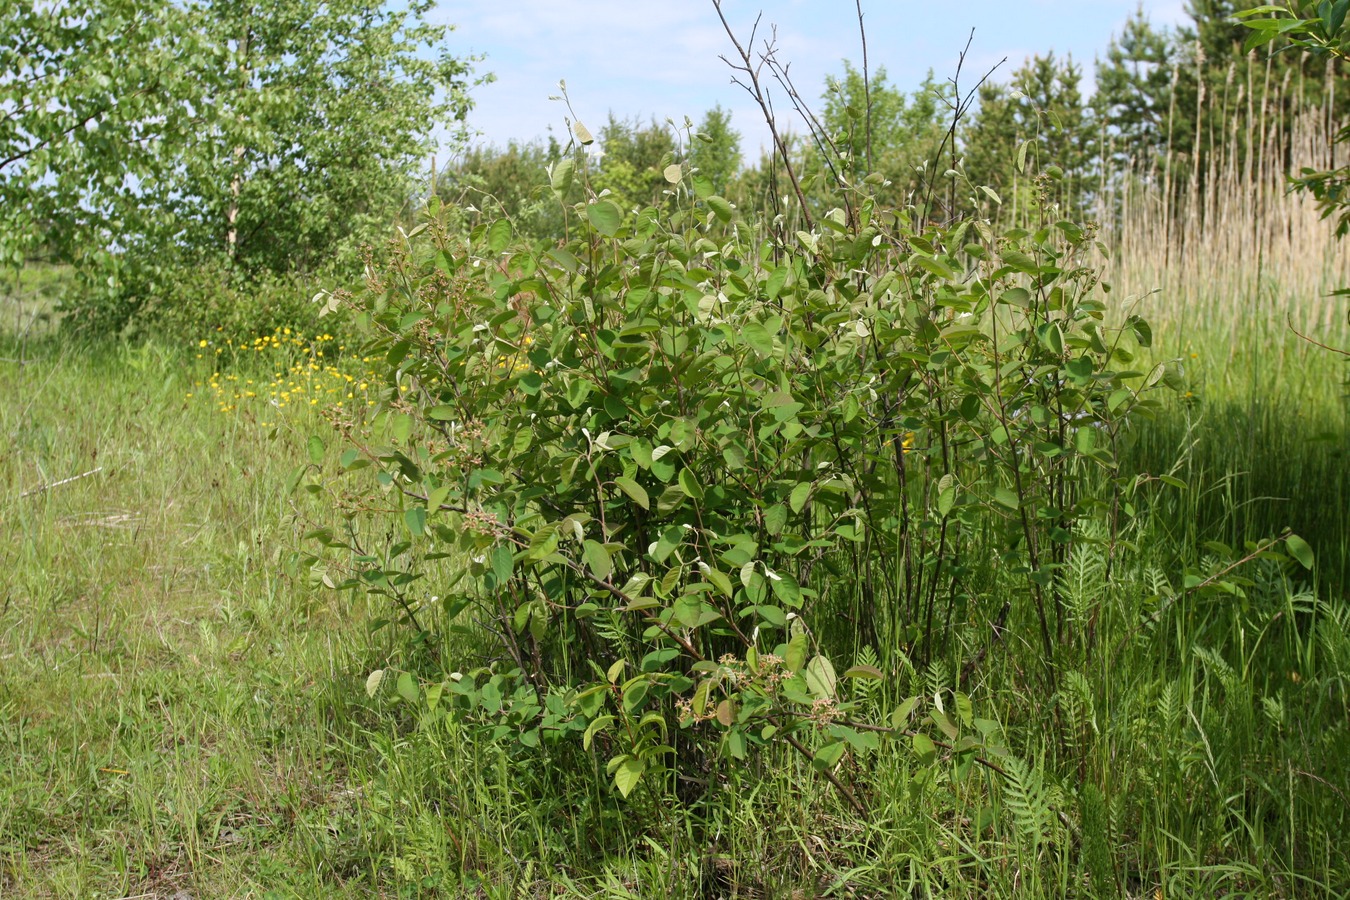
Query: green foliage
511	181
715	149
1043	103
673	456
156	581
152	138
1134	96
633	162
906	131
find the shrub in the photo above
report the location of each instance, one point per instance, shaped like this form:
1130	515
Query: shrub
183	302
693	481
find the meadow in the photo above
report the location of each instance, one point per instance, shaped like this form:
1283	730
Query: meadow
188	709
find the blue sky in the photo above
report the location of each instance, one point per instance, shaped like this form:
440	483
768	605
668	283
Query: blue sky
644	58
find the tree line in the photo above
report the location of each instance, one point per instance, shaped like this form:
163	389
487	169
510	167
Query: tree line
191	155
1164	103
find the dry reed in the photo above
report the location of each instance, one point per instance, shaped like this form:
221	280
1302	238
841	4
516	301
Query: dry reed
1226	248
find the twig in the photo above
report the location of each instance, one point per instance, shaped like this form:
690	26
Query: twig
867	87
842	788
1157	615
1314	342
756	91
47	487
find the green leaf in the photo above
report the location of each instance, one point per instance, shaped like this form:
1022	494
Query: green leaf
1142	332
800	493
774	284
758	338
673	173
900	718
946	496
316	450
597	559
869	673
828	757
636	492
1020	261
634	694
688	609
934	266
720	207
820	678
598	724
407	687
373	682
944	722
499	235
796	653
627	775
584	135
605	217
689	484
719	580
772	615
415	517
1299	549
560	176
502	563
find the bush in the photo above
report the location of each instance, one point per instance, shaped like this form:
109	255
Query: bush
694	482
183	302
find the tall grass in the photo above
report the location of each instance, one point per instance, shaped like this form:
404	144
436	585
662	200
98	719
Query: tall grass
1227	262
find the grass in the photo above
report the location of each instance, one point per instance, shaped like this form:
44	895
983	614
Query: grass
183	714
181	718
170	707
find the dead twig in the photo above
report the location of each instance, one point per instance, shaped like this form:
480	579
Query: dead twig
47	487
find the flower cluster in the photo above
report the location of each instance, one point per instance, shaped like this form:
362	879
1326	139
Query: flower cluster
301	377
